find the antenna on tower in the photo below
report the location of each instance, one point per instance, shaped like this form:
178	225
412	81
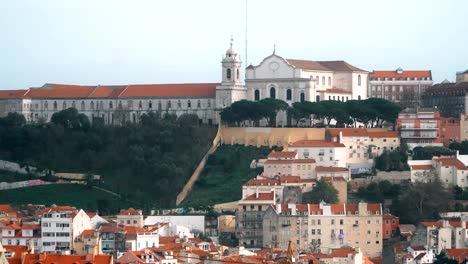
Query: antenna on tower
246	9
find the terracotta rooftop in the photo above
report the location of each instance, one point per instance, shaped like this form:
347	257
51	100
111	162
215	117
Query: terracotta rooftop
270	196
66	259
12	94
421	167
459	254
130	211
262	182
348	132
331	178
316	144
282	154
451	162
397	76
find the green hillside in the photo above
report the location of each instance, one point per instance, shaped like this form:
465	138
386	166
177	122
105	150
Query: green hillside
77	195
224	174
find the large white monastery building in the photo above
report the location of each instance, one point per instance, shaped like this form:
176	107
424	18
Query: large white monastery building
275	77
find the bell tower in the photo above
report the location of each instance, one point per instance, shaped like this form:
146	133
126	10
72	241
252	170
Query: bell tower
231	88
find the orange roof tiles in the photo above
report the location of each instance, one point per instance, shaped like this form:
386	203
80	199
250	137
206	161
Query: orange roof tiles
459	254
12	94
290	179
171	90
342	253
332	178
262	182
130	230
50	90
349	132
404	74
316	144
87	232
440	223
66	259
282	154
451	162
107	91
383	134
16	251
270	196
130	211
421	167
330	169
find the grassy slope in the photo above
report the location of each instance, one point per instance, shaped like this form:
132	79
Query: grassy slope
222	178
63	194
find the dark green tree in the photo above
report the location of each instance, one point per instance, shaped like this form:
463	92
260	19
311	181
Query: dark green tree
323	191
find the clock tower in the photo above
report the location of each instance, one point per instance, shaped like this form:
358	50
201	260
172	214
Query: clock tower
231	88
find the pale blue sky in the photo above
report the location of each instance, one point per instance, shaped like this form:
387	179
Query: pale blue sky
150	41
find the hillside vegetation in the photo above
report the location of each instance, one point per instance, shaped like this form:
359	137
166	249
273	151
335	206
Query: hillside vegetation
226	170
147	163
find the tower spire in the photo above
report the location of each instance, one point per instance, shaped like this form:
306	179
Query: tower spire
232	40
274	48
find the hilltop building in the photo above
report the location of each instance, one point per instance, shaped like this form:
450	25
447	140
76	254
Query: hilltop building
275	77
400	86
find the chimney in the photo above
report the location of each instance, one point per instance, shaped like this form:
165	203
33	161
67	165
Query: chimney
278	208
256	193
293	208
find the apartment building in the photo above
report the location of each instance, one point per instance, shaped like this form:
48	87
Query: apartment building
450	170
390	224
324	227
89	242
130	217
22	235
400	86
325	153
113	239
60	226
288	163
363	145
137	238
249	215
420	127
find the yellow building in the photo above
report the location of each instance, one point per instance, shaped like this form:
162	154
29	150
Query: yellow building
88	243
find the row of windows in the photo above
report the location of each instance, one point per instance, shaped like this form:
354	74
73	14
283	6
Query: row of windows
273	94
402	79
317	80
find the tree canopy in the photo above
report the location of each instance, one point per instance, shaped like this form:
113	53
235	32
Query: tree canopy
323	191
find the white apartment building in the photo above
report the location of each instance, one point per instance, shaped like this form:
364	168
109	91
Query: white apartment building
450	170
287	163
22	235
60	226
137	238
325	153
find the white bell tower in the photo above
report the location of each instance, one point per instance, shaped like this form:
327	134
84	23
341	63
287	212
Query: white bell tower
231	89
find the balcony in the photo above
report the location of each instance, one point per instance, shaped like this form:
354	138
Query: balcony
418	128
419	136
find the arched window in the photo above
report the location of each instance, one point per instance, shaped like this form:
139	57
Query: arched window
46	105
228	74
111	105
272	92
159	105
288	94
168	104
359	97
199	104
329	81
55	105
92	105
342	98
317	98
82	105
73	104
189	104
150	105
257	95
237	74
179	104
64	106
302	97
323	80
209	103
359	80
140	105
317	80
120	104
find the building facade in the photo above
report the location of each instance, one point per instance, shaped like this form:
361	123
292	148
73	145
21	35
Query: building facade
275	77
324	227
449	98
399	86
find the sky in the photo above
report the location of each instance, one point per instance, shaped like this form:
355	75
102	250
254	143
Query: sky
91	42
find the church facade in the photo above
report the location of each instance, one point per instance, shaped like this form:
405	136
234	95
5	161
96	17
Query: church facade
275	77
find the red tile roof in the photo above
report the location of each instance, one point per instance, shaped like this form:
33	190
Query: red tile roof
107	91
290	179
332	178
270	196
421	167
87	232
171	90
330	169
383	134
316	144
16	251
130	230
458	254
451	162
439	223
12	94
282	154
404	74
66	259
130	211
50	90
262	182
